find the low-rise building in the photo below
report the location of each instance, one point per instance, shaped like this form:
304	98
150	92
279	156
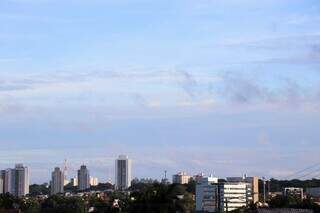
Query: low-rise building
293	191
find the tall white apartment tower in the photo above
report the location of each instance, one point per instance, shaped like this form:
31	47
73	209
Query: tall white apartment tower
123	173
57	181
21	180
83	178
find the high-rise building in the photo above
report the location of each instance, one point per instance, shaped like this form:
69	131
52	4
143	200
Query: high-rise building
3	181
57	181
16	181
93	181
252	185
181	178
22	180
83	178
123	172
9	181
1	185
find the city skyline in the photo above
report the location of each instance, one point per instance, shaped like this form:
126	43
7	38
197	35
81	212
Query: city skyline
229	87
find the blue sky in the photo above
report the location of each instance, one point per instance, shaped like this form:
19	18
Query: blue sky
225	87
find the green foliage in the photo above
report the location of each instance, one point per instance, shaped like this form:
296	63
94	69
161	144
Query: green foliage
161	198
63	205
278	185
293	202
7	201
35	190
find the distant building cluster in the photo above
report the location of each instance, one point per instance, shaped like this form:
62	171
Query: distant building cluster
83	181
15	180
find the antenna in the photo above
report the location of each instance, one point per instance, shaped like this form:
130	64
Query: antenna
165	174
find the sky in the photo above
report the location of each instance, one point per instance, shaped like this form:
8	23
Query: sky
224	87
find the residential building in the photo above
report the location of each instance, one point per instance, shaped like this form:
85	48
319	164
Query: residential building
198	177
21	180
93	181
293	191
9	181
15	181
123	172
1	185
3	176
57	181
180	178
252	186
83	178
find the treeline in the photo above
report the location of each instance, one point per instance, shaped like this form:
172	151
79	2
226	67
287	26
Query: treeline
144	197
278	185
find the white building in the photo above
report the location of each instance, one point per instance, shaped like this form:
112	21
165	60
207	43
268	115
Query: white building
83	178
252	186
181	178
57	181
233	195
123	172
212	196
93	181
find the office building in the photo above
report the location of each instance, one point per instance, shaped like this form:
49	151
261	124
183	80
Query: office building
57	181
83	178
123	172
212	196
233	195
180	178
93	181
252	186
207	199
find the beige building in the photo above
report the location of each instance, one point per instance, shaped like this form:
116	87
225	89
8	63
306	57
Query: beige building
181	178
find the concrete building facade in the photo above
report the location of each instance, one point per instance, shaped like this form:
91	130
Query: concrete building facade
181	178
57	181
123	172
252	186
83	178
